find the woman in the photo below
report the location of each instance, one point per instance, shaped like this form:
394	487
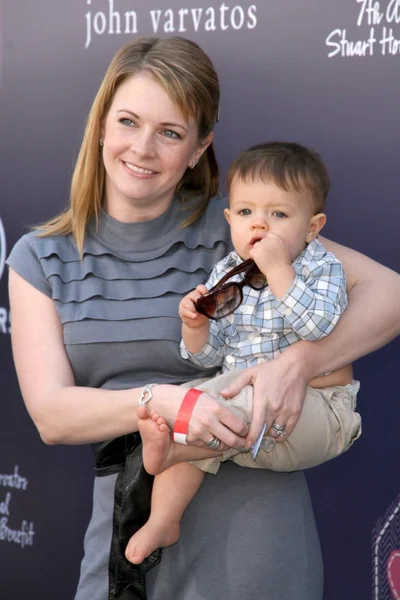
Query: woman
94	298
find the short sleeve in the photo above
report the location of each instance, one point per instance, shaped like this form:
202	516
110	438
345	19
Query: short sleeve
25	261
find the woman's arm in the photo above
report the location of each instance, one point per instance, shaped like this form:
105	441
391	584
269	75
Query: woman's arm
67	414
371	320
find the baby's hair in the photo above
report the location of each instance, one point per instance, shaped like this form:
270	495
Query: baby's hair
285	164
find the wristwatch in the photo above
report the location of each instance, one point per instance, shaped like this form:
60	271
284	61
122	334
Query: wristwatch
146	394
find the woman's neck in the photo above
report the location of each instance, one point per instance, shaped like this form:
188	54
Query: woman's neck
136	212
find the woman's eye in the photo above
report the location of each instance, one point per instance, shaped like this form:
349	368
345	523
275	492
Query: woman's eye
245	212
279	214
171	134
127	122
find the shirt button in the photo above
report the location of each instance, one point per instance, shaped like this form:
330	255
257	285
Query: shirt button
288	312
247	310
261	361
230	359
253	336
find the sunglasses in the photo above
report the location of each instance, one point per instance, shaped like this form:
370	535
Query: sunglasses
224	298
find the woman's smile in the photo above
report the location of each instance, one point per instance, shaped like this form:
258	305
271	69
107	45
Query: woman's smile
141	171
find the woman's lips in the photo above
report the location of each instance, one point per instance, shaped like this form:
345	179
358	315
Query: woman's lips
139	170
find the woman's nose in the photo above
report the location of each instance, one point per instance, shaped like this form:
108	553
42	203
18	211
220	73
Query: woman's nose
143	144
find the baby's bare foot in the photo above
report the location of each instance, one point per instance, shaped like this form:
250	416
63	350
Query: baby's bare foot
150	537
157	442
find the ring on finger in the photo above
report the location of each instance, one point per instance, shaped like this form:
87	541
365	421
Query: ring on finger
279	433
214	443
279	429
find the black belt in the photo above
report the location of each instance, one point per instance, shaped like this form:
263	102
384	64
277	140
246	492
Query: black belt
131	511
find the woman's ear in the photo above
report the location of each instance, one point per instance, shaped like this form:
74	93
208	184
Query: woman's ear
202	147
315	225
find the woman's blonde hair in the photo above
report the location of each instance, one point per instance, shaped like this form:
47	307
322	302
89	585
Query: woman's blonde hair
188	76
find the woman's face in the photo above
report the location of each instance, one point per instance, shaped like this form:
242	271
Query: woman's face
148	145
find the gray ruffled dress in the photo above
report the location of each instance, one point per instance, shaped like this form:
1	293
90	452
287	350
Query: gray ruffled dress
248	533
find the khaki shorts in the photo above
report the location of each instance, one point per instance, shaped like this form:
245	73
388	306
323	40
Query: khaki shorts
328	426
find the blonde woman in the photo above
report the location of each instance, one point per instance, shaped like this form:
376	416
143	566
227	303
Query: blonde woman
94	296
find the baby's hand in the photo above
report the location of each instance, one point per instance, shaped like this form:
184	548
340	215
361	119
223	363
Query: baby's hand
187	312
270	253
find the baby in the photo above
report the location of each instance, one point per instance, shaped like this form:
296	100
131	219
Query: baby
293	290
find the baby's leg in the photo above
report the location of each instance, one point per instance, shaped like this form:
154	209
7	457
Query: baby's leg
173	489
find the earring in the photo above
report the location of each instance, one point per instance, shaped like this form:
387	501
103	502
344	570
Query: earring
192	164
101	141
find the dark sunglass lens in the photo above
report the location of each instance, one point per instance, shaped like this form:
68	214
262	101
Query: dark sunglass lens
258	281
207	304
227	301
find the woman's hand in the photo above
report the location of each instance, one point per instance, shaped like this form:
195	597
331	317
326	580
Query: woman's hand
209	418
279	392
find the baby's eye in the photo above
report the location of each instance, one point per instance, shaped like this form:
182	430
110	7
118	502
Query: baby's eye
279	214
244	212
171	134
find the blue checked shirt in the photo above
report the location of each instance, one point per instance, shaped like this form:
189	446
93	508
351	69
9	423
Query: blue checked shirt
262	326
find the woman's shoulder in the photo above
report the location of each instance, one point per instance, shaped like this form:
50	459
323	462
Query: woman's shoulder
35	244
30	253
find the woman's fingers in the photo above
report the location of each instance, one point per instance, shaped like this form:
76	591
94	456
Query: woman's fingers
211	418
278	396
227	437
243	379
257	422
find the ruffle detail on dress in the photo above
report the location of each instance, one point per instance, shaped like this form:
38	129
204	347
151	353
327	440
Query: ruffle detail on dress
116	293
123	289
92	331
111	268
119	310
143	241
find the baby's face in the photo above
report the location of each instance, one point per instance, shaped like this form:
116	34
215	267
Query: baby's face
257	207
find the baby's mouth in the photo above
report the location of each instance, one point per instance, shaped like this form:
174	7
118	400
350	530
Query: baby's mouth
254	241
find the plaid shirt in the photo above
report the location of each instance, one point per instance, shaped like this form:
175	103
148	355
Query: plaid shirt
263	326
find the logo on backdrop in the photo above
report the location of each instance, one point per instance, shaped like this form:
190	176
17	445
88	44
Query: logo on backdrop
113	21
5	326
386	555
382	31
24	534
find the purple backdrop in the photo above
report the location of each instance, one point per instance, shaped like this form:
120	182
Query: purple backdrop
319	72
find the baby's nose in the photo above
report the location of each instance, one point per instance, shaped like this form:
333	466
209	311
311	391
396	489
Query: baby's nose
259	222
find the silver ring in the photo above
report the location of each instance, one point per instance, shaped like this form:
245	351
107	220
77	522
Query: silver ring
277	427
214	443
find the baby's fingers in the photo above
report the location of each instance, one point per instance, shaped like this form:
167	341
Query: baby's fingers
201	289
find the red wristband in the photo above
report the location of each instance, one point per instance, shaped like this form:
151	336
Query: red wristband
179	432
